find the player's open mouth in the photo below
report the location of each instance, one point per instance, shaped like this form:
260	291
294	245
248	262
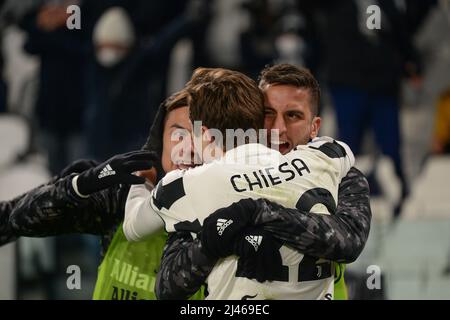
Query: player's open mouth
185	166
282	146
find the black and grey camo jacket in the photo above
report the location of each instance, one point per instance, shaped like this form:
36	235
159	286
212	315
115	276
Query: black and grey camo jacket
54	209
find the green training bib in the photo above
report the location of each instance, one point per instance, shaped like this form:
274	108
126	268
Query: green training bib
340	289
128	270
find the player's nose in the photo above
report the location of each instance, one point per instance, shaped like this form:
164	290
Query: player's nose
195	153
280	125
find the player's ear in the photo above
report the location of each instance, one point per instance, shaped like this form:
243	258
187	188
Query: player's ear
315	127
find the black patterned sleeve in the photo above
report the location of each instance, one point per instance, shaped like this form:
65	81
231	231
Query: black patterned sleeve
184	268
339	237
7	233
55	209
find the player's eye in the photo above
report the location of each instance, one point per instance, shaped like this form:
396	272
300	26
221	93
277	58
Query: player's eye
269	113
294	116
179	135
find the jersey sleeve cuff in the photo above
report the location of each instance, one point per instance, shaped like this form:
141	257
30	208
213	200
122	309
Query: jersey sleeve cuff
75	188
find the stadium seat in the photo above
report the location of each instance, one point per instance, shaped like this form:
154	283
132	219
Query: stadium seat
430	191
15	179
14	134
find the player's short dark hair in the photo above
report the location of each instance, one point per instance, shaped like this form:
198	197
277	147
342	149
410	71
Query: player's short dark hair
226	99
289	74
177	100
200	75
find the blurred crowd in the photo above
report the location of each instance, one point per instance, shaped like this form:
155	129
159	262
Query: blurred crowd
97	88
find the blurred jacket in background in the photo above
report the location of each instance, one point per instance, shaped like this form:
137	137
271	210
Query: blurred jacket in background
61	96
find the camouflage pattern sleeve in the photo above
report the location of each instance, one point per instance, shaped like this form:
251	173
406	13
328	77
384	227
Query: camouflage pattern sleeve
55	209
184	268
7	233
339	237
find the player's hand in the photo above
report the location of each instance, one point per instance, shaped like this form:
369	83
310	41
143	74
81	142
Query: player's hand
150	175
117	170
78	166
221	228
259	254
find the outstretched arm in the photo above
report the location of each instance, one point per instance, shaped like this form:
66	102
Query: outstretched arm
56	209
90	202
7	232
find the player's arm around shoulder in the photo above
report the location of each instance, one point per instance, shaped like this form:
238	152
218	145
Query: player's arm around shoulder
354	207
338	237
338	152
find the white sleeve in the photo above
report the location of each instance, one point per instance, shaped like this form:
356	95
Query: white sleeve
348	161
140	218
343	153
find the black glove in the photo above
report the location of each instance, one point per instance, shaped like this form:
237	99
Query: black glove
117	170
259	255
78	166
221	228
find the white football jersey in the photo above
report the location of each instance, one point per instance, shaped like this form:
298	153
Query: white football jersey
306	178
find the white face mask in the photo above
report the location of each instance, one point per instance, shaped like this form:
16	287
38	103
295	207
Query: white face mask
109	57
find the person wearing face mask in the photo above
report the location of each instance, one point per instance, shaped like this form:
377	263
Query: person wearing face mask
113	37
127	76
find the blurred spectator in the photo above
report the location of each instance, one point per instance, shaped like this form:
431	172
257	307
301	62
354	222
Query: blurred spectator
441	137
2	81
128	75
364	70
298	19
60	102
416	12
3	90
257	42
279	31
434	45
59	110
